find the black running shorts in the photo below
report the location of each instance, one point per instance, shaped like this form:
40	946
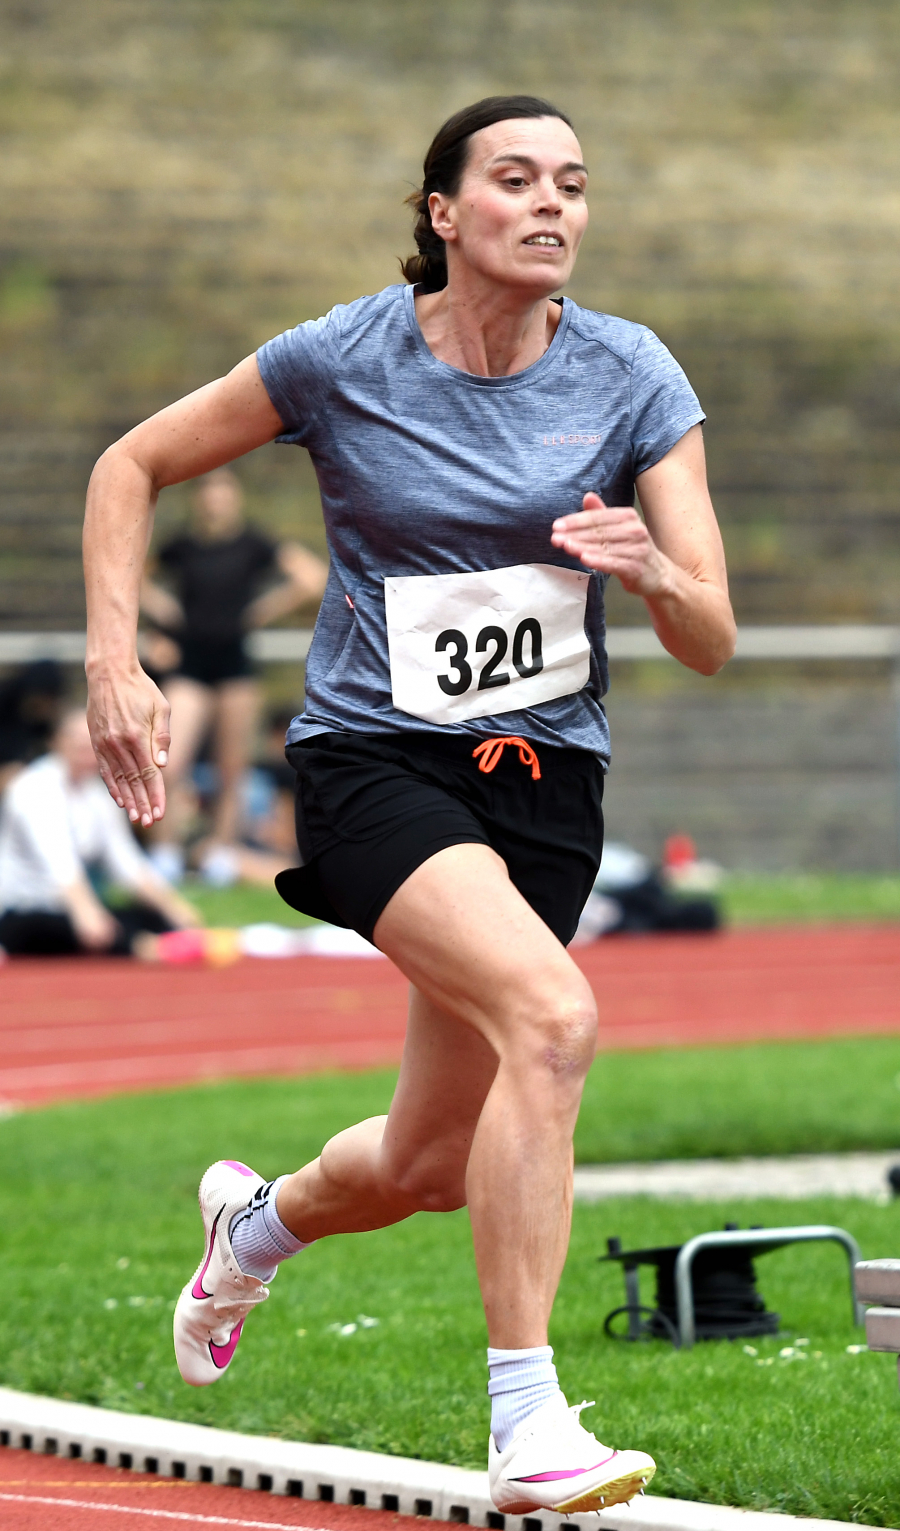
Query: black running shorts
211	662
372	807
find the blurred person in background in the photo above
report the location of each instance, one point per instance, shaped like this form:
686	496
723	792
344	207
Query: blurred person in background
266	843
31	700
59	832
270	823
631	896
215	569
268	834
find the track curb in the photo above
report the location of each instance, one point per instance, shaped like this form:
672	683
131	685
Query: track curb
335	1474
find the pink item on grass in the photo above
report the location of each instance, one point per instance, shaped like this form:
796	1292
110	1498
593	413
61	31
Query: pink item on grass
178	947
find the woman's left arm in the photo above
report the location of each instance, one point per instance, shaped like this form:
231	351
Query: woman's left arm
673	558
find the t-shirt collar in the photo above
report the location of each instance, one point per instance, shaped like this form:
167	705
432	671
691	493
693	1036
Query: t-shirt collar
474	379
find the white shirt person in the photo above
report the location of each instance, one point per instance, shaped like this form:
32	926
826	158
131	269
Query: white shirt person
58	824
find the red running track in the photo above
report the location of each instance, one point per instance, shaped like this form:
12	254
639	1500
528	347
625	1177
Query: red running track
45	1494
90	1027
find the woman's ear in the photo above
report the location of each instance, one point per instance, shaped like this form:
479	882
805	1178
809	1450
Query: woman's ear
442	221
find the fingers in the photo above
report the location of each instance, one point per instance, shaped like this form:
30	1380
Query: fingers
599	533
107	776
596	514
132	777
611	539
129	722
134	783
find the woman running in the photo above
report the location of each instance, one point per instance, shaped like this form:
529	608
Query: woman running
215	567
478	444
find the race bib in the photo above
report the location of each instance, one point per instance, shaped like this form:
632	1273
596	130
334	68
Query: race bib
471	645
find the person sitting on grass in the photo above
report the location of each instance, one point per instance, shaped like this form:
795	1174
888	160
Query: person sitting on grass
58	826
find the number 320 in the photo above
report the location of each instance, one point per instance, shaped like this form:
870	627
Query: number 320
452	638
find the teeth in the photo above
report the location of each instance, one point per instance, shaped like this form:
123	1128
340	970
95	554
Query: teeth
544	239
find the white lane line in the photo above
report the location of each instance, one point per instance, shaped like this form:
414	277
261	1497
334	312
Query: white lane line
163	1068
188	1515
791	1178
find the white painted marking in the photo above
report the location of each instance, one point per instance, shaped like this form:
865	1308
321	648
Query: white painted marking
796	1177
127	1509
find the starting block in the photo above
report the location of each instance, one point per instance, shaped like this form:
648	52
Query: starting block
878	1285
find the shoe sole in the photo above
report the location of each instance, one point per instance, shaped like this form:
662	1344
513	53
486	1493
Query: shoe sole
619	1491
603	1497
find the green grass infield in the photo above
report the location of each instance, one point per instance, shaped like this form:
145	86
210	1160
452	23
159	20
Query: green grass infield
746	899
100	1229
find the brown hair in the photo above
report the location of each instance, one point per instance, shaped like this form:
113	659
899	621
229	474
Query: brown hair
443	170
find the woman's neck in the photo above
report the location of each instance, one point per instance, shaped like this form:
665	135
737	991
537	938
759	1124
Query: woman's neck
484	332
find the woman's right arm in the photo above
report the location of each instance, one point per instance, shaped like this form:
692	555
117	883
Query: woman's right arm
128	715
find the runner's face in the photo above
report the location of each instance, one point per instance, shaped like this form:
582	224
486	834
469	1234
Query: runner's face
520	212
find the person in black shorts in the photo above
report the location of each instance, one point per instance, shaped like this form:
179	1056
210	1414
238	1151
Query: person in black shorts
214	572
478	444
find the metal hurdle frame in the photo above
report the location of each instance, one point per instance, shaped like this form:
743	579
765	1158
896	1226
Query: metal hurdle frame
761	1239
878	1287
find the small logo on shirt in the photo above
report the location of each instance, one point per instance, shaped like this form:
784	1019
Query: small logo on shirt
574	439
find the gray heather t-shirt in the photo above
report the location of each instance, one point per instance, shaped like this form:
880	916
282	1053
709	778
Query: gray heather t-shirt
427	470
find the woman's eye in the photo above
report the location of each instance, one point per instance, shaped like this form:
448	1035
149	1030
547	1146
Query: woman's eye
515	181
574	188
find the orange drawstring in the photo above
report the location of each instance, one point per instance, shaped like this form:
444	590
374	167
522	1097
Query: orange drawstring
492	749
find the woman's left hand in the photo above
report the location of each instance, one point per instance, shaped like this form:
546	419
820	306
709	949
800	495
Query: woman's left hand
614	539
675	561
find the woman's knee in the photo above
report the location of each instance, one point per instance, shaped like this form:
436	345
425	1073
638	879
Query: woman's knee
558	1033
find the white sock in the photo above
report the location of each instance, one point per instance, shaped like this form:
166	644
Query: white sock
521	1381
258	1236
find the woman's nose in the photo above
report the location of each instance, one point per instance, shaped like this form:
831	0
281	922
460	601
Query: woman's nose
548	197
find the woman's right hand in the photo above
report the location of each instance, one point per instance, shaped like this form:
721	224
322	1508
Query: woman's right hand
128	717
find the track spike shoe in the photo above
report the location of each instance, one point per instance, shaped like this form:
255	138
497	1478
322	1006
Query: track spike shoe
211	1310
553	1463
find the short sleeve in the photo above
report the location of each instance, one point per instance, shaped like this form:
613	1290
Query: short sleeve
296	368
663	403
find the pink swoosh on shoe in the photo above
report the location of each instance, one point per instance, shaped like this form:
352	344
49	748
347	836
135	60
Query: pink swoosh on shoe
197	1289
242	1169
221	1354
569	1472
